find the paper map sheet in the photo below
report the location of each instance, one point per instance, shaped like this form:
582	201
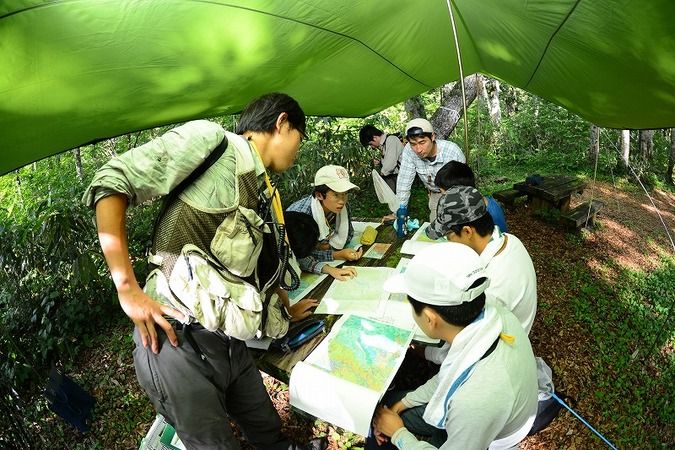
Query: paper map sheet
396	310
363	294
308	281
342	380
377	250
419	241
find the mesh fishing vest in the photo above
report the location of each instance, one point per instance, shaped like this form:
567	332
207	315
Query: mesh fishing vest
183	224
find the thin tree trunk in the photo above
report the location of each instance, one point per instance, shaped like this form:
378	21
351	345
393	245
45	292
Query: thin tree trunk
594	147
78	163
446	117
510	100
671	160
415	108
491	89
646	145
624	145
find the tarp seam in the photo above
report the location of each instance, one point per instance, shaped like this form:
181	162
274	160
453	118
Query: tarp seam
391	63
548	44
323	29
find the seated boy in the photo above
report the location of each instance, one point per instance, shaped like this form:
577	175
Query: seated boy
456	173
327	205
485	394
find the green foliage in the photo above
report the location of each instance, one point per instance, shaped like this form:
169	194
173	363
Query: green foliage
631	323
56	289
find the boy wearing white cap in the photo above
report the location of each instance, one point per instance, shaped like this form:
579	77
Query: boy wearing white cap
423	156
485	394
328	206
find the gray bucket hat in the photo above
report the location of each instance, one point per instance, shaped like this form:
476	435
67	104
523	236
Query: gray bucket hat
458	205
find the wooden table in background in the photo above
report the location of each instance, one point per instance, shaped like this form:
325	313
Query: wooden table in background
279	364
554	191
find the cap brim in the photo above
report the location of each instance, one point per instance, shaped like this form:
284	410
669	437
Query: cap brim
396	285
342	186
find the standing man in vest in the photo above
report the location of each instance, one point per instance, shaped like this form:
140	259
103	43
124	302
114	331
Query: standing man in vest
199	378
424	155
391	149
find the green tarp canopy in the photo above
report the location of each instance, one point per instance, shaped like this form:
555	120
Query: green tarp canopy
76	71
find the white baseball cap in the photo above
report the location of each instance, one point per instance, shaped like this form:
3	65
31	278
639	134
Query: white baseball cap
417	127
441	275
335	177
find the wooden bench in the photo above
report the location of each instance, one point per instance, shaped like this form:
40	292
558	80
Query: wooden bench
576	218
507	196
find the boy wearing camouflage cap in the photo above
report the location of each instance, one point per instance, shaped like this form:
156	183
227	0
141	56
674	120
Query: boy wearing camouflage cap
463	217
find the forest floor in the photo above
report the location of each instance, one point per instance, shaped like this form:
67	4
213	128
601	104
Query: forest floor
602	325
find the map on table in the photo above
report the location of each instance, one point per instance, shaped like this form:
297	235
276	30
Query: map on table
362	294
308	281
419	241
396	310
343	379
377	250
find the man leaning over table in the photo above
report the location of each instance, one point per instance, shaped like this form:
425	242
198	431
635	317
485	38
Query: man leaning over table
463	217
424	155
485	394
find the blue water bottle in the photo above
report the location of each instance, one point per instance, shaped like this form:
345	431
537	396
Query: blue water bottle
401	216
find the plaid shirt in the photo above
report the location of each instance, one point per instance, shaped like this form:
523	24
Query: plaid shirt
318	258
412	165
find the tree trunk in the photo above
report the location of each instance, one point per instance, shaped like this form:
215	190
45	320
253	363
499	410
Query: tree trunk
491	89
671	160
78	163
445	119
594	147
646	139
624	145
415	108
510	98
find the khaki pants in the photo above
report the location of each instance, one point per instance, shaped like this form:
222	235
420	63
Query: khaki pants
433	204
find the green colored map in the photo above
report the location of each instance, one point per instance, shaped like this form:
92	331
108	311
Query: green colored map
306	281
365	352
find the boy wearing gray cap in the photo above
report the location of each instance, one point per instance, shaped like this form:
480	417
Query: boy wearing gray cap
423	156
485	393
463	217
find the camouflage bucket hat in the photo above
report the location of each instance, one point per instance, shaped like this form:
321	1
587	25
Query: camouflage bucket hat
458	205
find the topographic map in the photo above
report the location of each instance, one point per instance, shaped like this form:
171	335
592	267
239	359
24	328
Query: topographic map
365	352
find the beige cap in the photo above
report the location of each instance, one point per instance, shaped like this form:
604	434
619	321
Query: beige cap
414	126
335	177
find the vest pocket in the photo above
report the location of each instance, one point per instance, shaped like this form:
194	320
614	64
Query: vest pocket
216	298
238	241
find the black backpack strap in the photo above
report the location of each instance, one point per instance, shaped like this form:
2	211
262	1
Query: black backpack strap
208	162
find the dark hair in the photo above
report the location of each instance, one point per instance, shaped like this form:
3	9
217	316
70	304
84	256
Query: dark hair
484	225
302	232
455	173
367	133
261	114
458	315
320	189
